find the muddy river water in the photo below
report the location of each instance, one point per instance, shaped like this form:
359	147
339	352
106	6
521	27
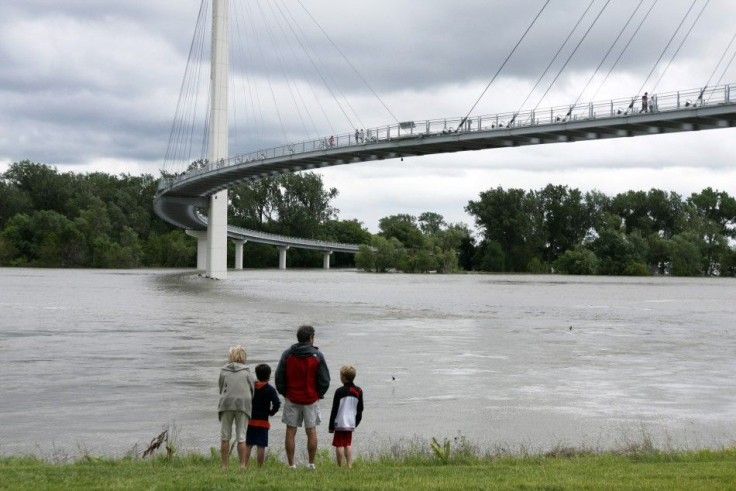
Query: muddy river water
100	361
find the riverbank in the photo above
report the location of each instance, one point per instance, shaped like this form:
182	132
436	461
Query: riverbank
561	469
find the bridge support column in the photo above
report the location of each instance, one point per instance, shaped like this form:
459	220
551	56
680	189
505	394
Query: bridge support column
239	253
217	213
201	237
217	236
282	256
326	259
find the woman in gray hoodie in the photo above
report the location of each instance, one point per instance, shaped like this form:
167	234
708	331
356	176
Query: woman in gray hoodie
236	400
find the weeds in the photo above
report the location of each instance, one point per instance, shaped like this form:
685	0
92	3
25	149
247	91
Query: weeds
156	443
442	452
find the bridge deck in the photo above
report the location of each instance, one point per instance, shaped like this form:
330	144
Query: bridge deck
178	199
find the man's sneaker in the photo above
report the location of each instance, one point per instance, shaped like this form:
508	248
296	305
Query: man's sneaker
310	466
292	466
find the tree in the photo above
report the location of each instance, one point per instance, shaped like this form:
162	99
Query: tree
365	258
302	204
617	254
564	220
46	188
431	223
384	254
347	232
403	228
505	218
489	256
13	201
579	261
252	204
687	259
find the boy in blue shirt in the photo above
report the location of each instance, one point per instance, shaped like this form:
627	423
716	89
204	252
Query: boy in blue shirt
265	403
347	411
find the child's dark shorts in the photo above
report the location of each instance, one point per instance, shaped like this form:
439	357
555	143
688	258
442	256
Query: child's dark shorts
256	436
342	438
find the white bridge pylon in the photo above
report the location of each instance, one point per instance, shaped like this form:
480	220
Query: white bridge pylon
178	200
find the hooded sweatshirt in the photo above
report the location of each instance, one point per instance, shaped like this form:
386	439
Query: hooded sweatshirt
265	403
236	389
347	408
302	375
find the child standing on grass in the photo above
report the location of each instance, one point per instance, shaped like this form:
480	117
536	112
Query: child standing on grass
265	403
347	411
236	400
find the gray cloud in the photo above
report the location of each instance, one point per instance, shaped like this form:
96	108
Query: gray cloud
92	82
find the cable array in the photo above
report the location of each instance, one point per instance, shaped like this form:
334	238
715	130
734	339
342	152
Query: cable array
286	81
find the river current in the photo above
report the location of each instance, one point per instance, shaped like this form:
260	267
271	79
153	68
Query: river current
99	361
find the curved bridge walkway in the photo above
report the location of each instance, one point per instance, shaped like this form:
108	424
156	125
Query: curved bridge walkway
179	199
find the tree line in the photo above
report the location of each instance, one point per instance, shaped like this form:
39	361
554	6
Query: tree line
97	220
53	219
562	230
559	229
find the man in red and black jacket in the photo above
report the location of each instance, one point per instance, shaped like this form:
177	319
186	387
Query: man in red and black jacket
303	378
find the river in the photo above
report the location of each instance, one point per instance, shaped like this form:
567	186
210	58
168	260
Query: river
100	361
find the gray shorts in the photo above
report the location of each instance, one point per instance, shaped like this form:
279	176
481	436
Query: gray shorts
227	418
295	414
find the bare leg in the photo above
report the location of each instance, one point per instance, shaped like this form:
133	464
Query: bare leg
340	454
248	450
349	457
289	443
242	455
261	453
312	443
224	452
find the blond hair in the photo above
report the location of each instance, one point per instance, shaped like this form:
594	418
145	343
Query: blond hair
348	371
236	354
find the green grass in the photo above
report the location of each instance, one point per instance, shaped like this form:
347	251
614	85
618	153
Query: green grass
687	470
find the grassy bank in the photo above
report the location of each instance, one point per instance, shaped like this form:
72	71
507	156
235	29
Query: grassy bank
692	470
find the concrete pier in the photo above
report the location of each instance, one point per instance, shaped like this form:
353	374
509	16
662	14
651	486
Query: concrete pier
326	259
239	253
282	256
201	237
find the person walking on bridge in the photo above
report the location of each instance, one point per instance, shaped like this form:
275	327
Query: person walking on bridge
303	378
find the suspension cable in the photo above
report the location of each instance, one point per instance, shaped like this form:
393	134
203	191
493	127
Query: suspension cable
324	75
253	87
573	53
605	57
297	31
176	148
626	47
348	62
503	64
304	71
554	58
719	62
268	76
336	85
680	46
728	65
665	48
293	86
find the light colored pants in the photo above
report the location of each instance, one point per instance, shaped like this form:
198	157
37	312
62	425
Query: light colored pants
296	414
241	423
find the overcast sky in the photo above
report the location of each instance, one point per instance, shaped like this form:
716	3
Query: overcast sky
93	86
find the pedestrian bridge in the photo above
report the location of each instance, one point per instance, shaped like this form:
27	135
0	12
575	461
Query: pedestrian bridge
179	199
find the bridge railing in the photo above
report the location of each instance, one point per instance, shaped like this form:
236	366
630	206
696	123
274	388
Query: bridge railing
670	101
296	241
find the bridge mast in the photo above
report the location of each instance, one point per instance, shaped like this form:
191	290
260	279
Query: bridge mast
218	142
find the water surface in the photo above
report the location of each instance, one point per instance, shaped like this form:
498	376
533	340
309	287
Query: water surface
99	361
